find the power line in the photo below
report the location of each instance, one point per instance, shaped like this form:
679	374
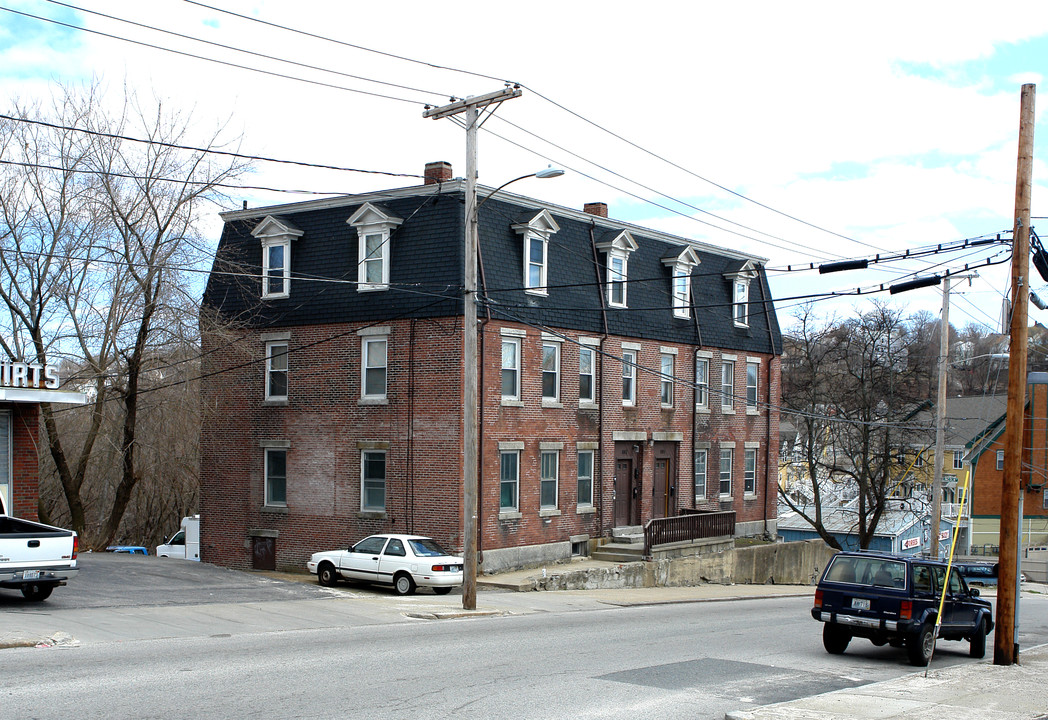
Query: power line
208	59
246	52
209	151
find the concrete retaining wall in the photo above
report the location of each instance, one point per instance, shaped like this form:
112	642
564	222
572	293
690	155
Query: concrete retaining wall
798	563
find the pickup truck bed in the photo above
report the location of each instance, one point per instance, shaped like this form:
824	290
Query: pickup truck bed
35	558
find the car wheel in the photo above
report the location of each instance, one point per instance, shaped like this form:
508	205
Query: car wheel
835	639
37	592
922	645
977	649
441	590
326	575
403	584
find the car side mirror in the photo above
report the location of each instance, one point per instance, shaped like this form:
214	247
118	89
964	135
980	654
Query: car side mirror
974	592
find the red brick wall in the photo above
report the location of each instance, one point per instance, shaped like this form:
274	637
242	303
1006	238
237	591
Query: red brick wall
323	422
25	466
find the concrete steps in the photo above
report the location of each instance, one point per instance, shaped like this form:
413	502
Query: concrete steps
619	552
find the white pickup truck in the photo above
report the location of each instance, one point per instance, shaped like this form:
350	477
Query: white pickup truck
35	558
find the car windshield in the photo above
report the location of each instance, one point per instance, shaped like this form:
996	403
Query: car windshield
867	571
424	547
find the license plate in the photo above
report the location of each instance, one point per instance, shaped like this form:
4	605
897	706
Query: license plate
30	574
860	604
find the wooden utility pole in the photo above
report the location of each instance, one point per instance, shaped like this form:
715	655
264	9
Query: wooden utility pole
471	107
1005	649
940	419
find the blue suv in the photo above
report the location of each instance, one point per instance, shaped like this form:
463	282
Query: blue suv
894	599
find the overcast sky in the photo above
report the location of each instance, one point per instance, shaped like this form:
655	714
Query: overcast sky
798	132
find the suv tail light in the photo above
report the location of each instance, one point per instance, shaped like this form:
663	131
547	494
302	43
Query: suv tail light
818	598
906	610
76	545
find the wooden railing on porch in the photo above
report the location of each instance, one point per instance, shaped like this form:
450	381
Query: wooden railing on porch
692	525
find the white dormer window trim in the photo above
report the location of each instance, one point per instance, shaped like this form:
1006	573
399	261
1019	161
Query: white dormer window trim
618	248
680	280
374	227
535	232
740	293
276	235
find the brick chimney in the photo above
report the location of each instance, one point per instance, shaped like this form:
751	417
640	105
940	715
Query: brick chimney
598	208
437	172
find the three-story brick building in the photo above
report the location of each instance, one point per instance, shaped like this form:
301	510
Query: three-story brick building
624	374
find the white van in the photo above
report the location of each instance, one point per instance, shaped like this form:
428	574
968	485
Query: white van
185	543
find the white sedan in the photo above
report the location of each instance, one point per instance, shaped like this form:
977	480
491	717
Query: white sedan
403	561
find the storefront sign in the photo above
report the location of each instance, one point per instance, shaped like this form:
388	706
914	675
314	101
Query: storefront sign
28	375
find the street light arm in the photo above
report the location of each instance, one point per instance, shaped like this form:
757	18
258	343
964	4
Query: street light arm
550	172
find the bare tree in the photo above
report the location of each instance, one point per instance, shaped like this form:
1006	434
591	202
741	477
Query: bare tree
100	240
852	388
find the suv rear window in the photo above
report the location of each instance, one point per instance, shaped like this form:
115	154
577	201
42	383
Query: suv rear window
867	571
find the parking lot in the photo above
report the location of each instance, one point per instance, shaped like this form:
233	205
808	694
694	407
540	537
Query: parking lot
120	580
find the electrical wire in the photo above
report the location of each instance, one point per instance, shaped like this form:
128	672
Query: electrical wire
209	151
246	52
184	53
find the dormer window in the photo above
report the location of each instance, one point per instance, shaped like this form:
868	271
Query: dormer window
740	294
276	235
374	226
618	245
680	288
536	229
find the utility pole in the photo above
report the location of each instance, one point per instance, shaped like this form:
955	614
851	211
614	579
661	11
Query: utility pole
940	419
940	415
471	107
1005	649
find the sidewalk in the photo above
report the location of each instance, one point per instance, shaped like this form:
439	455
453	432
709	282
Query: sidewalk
981	690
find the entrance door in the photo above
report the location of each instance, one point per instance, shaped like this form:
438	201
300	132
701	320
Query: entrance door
661	500
623	491
263	553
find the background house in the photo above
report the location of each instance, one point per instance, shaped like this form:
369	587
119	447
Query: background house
625	374
986	455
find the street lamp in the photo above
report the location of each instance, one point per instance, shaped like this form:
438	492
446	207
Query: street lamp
470	395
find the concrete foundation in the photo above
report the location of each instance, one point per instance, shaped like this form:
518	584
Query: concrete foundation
797	563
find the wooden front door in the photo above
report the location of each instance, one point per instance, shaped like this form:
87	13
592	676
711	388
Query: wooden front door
623	491
660	506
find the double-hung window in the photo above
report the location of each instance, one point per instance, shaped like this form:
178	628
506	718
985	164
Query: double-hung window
551	371
958	460
276	271
586	375
276	371
702	383
618	245
510	368
741	303
728	385
629	377
666	379
535	230
700	474
584	498
681	266
727	460
749	478
373	480
276	477
509	476
550	462
617	280
373	367
375	226
753	372
1000	459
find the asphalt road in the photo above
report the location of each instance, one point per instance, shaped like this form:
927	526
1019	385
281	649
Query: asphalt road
348	653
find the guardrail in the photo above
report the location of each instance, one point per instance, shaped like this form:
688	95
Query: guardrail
693	525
